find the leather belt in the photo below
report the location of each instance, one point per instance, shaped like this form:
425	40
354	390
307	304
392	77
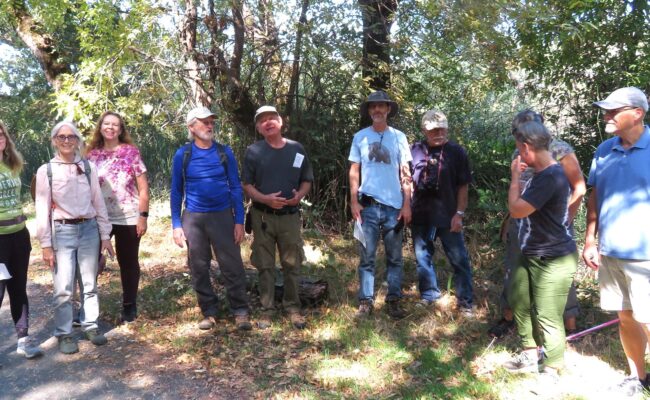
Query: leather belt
366	200
268	210
72	221
13	221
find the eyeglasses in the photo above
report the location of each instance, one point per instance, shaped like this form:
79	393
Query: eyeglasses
64	138
616	111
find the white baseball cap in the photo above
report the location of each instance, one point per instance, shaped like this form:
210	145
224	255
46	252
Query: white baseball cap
263	110
198	112
624	97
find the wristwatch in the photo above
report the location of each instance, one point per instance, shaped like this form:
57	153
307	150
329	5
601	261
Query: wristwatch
144	214
461	213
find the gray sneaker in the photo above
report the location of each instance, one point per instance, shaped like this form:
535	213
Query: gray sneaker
522	363
68	344
264	321
95	337
630	386
27	348
207	323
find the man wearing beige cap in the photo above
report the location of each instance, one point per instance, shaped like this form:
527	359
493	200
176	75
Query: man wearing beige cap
618	211
205	176
441	179
277	174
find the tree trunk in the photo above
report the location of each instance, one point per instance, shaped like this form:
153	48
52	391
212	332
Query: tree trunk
40	44
378	16
200	97
292	102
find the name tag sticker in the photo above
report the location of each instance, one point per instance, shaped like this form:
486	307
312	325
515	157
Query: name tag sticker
297	163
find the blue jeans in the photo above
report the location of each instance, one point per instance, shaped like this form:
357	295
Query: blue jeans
381	220
75	245
454	245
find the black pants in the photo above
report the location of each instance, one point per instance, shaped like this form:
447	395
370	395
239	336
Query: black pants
215	230
14	253
127	247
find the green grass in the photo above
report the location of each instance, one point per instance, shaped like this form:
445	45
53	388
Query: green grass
428	355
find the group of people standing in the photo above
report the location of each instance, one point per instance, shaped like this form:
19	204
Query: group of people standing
544	196
391	187
81	202
208	215
83	196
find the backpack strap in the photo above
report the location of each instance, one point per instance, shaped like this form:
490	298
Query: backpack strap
187	155
86	169
224	159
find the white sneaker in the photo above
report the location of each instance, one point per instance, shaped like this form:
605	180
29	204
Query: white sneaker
27	348
524	362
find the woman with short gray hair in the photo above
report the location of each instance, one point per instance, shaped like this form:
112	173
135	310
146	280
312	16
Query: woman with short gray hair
72	222
542	277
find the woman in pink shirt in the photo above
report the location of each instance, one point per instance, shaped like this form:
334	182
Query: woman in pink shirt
72	227
123	180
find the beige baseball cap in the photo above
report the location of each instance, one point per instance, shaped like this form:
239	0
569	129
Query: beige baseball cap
433	119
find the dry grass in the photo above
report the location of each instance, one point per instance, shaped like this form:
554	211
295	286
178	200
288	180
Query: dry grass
430	354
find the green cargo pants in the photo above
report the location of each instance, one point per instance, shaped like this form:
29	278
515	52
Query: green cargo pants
283	231
538	294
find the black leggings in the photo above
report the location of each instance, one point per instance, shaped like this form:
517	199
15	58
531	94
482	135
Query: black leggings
127	247
14	253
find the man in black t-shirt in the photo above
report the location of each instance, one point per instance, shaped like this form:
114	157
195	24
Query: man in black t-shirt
441	179
277	175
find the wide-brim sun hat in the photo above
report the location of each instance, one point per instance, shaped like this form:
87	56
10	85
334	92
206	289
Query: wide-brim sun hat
379	97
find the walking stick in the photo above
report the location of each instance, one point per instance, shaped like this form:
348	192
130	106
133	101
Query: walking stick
592	329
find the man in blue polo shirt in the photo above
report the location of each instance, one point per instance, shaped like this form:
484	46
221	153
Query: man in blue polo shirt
205	174
618	210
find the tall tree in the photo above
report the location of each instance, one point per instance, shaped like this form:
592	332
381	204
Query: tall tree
378	17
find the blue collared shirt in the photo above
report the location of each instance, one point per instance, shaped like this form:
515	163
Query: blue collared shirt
621	178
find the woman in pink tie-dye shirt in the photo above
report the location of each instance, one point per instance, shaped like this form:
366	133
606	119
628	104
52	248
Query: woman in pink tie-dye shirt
123	180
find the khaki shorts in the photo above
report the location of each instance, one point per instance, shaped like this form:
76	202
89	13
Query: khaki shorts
625	285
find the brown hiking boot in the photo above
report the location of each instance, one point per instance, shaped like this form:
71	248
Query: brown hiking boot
365	309
243	323
297	320
394	310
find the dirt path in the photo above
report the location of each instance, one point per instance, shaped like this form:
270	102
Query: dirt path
122	369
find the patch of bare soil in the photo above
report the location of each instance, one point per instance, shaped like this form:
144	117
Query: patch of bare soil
125	368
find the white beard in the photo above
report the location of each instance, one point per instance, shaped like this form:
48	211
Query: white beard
610	129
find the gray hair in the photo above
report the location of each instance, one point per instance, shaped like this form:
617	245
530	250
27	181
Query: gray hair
524	116
74	130
534	134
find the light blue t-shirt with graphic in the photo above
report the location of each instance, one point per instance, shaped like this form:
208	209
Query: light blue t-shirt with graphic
380	155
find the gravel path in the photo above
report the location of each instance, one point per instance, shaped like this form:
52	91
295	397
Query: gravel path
122	369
